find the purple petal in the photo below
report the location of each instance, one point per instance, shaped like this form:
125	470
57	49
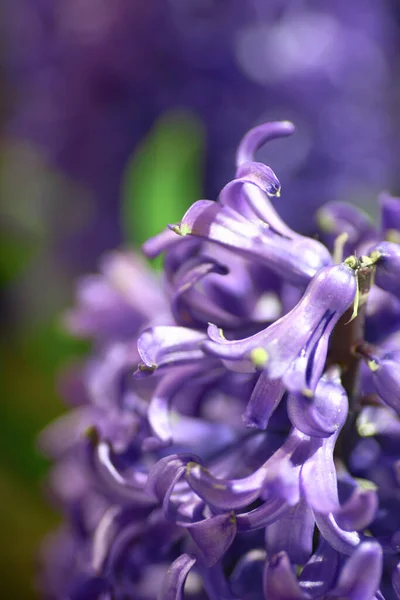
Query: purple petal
260	135
280	582
359	510
325	412
336	218
159	243
174	579
361	575
263	515
225	493
117	485
163	346
319	573
159	408
387	274
293	533
213	536
164	473
318	477
250	174
340	540
187	302
386	378
264	399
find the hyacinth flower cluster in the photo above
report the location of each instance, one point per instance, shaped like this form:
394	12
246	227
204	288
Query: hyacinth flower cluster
235	433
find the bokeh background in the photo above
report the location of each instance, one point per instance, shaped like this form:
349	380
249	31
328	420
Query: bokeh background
117	114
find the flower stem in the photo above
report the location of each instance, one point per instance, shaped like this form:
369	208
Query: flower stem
346	337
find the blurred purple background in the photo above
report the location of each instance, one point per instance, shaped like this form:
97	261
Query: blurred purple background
116	115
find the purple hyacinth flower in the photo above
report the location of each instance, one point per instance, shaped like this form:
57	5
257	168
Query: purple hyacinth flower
260	466
295	346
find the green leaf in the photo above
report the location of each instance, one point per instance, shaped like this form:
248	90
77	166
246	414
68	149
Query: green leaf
163	177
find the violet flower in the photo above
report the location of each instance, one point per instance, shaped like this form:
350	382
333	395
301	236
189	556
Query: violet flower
263	465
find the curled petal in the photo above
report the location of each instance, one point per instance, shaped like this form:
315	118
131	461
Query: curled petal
325	412
359	510
280	582
167	345
174	579
260	135
117	485
361	575
160	243
319	573
264	399
248	195
293	533
164	473
250	173
224	493
187	301
213	536
386	378
159	407
263	515
342	541
319	483
387	274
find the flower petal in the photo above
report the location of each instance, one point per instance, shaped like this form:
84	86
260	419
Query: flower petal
174	579
387	274
164	346
280	582
260	135
319	573
264	399
213	536
293	533
360	577
342	541
322	414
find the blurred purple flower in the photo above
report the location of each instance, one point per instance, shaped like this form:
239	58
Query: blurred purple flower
91	78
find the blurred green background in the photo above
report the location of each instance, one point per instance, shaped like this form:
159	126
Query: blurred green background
35	290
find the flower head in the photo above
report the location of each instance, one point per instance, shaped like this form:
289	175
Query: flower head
261	463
